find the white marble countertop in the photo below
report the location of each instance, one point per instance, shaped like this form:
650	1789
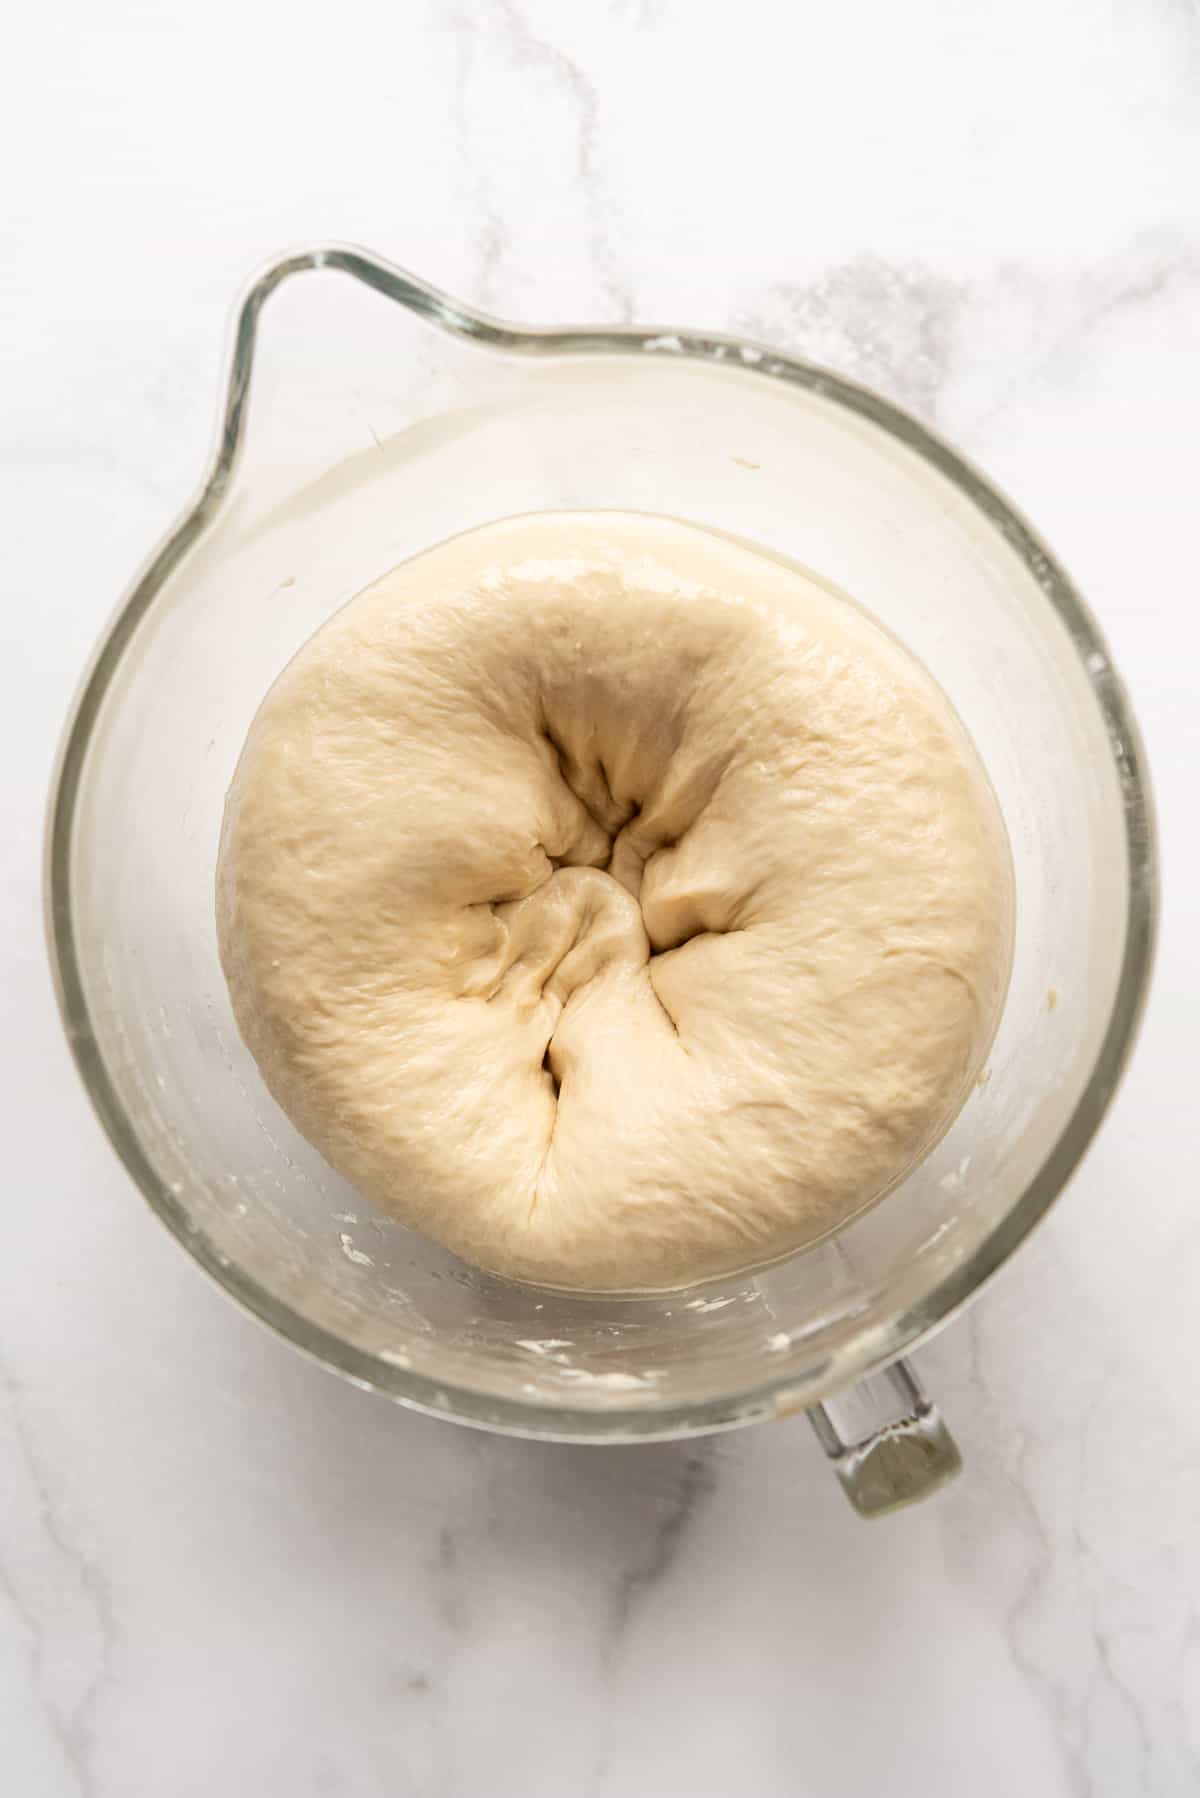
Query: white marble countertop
221	1570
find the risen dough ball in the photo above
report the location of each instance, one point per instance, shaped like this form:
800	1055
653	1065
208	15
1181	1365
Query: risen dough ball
612	902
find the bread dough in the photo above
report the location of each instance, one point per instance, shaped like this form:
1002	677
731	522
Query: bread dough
612	902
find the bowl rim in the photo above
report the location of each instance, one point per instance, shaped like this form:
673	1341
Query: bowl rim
794	1383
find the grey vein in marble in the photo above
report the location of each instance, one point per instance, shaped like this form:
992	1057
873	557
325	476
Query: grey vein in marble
697	1479
1052	1691
909	330
60	1596
1070	1621
490	235
528	49
891	328
1063	317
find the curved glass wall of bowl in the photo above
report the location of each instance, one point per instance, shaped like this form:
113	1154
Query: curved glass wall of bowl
370	418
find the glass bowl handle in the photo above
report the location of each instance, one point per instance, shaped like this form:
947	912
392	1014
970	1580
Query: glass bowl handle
887	1441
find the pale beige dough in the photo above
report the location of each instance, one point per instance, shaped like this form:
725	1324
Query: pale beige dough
612	902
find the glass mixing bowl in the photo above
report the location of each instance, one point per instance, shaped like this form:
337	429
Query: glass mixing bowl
372	419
